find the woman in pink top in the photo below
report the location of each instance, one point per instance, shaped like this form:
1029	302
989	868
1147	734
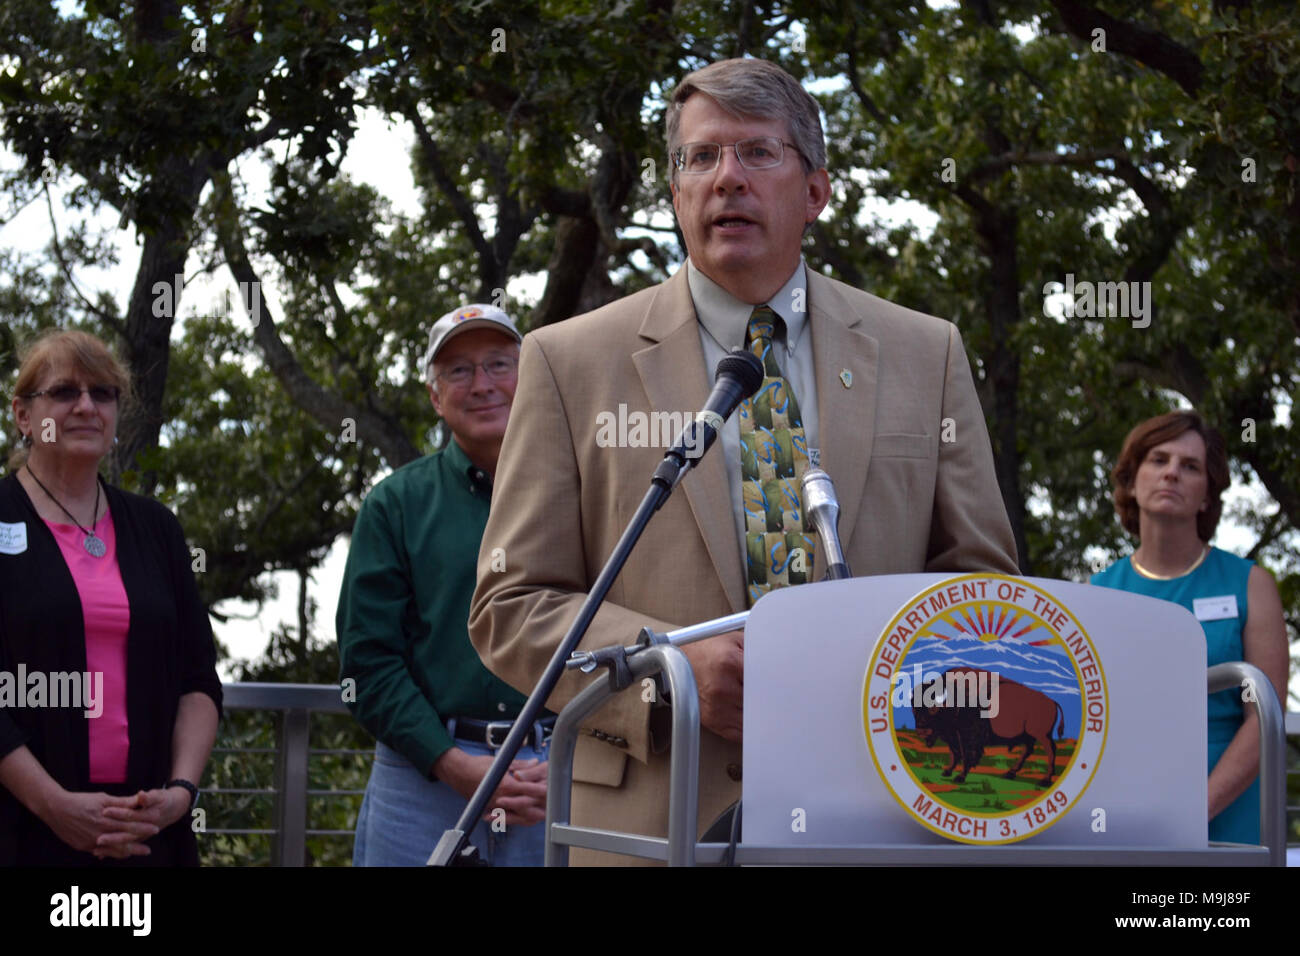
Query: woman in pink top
109	698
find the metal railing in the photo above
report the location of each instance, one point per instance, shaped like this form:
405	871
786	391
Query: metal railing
296	703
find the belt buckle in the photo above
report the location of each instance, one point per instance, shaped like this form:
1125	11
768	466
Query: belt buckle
492	725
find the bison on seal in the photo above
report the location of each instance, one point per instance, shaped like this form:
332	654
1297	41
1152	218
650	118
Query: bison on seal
1023	716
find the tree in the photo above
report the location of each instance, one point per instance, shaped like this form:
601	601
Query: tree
1045	151
1050	140
141	104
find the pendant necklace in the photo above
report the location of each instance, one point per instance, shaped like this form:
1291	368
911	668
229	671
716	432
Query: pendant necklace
93	543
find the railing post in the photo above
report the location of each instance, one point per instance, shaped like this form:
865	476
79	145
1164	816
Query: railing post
1231	675
291	789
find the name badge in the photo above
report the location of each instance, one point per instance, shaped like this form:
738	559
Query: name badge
13	538
1215	608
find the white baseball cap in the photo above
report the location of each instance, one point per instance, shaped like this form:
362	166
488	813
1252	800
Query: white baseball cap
464	319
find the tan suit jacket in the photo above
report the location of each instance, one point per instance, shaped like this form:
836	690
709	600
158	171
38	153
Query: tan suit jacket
909	501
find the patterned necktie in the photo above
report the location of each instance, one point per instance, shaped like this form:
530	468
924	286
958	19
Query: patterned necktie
779	544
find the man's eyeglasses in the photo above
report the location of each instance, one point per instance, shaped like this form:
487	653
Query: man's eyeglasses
761	152
462	373
68	394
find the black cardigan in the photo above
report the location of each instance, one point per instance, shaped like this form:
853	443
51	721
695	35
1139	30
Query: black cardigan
170	652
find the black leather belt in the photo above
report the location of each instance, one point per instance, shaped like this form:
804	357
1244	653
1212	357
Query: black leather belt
493	733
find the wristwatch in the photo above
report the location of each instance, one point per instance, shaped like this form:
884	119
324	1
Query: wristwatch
194	791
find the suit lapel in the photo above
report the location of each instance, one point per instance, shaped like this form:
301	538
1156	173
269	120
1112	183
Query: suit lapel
673	375
846	412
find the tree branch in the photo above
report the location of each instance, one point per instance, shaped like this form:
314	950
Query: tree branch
325	406
855	84
1180	372
1268	454
997	164
625	247
345	356
632	224
1165	224
434	163
978	204
745	26
846	270
1148	46
286	495
1152	196
1272	530
20	207
773	30
110	320
566	202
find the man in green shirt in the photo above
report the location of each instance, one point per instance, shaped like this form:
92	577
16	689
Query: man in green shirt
417	683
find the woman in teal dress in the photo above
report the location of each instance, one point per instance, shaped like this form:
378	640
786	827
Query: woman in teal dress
1168	482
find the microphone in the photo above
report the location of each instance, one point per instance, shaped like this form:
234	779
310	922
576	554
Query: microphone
738	376
823	508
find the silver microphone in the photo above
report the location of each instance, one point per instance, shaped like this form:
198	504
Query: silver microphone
823	509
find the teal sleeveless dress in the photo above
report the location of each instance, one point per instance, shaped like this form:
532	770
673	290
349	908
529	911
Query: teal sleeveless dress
1220	574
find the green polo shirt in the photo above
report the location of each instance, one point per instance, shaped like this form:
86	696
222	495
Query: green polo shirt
404	608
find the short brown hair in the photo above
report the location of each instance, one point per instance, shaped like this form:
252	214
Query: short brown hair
83	351
1157	431
755	89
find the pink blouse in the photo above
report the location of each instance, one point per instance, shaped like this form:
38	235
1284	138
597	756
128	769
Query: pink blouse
107	617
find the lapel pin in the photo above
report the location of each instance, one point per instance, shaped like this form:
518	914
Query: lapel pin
846	378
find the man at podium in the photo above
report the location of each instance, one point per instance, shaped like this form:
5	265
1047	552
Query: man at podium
877	395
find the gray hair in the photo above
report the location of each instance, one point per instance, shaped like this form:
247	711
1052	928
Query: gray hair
756	89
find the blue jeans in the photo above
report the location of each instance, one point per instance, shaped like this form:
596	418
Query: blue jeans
404	814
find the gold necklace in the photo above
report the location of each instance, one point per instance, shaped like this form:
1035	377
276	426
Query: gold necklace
1168	577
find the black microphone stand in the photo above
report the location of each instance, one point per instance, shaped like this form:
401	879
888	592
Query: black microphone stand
452	849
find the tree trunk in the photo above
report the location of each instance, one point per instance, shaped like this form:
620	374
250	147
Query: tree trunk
147	348
997	226
566	272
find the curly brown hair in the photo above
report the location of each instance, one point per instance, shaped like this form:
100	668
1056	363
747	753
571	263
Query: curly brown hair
1156	431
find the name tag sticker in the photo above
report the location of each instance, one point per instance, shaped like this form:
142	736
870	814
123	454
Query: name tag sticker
13	538
1215	608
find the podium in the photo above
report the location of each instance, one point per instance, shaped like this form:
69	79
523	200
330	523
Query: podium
939	719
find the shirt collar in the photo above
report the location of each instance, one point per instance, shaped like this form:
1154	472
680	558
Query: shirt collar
726	318
462	467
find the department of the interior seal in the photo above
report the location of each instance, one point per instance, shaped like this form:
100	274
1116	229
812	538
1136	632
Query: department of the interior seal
985	709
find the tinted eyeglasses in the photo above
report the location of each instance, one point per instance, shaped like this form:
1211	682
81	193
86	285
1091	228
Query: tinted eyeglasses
68	394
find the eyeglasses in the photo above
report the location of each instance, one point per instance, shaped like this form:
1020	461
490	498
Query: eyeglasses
68	394
761	152
498	369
